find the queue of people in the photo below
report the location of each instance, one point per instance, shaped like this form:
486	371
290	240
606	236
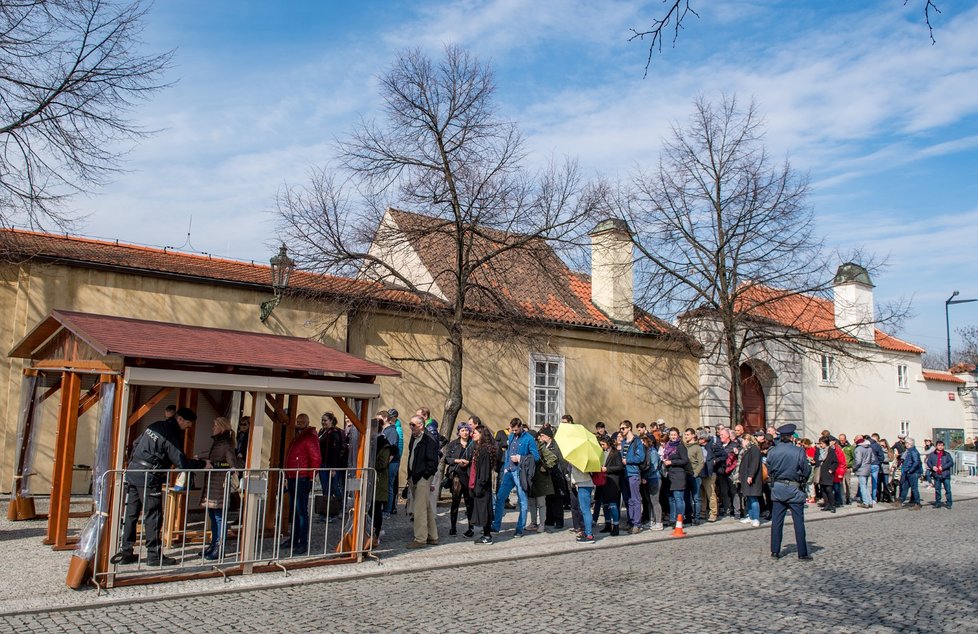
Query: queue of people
653	476
649	477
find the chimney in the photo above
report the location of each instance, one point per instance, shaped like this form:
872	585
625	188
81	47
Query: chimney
853	291
611	270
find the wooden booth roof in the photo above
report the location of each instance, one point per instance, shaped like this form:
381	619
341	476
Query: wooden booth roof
178	343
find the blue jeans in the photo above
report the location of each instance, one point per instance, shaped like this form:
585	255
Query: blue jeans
509	481
677	506
874	473
938	484
865	482
754	507
392	470
692	497
837	488
611	512
584	501
634	500
911	482
299	489
218	530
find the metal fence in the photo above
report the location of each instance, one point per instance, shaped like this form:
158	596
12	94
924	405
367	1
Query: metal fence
231	521
965	462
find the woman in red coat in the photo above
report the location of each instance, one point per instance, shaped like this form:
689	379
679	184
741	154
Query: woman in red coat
840	471
302	460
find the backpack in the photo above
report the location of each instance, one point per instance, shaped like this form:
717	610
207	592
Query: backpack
731	463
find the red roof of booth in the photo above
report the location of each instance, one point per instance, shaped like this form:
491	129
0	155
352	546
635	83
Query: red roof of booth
139	338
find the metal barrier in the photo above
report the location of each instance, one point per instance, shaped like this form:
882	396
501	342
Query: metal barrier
965	462
231	521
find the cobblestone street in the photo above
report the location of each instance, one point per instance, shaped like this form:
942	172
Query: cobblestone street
894	571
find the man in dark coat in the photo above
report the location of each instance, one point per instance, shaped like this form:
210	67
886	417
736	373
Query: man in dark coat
154	452
788	469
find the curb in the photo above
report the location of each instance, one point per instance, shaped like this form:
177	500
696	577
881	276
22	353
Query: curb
490	559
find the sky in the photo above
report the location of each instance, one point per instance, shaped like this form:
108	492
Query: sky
884	123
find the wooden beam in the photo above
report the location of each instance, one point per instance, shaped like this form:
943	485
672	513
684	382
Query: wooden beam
101	564
51	391
67	364
91	398
348	411
144	409
64	456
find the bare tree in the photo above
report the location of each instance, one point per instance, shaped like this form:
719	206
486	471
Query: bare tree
725	233
675	14
441	151
968	353
69	72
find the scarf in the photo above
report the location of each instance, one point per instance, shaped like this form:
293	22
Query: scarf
672	450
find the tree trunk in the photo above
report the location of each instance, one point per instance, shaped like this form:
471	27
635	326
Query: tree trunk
453	405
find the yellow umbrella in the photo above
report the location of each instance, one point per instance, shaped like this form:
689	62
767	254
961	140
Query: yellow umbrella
579	447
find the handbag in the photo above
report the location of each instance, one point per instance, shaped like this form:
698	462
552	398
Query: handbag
599	478
235	482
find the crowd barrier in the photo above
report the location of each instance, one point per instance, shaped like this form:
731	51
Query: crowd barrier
260	525
965	462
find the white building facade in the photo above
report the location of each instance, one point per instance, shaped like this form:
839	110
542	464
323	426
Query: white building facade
885	391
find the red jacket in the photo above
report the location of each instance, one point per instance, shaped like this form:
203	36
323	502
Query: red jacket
303	454
840	471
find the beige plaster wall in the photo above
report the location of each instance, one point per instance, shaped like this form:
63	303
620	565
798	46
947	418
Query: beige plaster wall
607	377
30	291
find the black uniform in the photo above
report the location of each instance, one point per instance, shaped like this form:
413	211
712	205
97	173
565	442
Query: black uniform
156	450
788	468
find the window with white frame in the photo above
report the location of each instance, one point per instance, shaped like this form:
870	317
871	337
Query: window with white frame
904	428
546	389
903	380
828	369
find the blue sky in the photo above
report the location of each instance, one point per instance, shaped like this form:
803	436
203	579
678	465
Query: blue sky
885	124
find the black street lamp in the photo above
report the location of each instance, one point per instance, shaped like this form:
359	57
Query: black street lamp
947	320
282	267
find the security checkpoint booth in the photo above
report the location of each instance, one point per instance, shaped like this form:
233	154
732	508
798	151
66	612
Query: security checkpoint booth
118	373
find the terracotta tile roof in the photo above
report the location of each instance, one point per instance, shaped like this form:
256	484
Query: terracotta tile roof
530	281
962	368
945	377
807	314
519	283
139	338
19	244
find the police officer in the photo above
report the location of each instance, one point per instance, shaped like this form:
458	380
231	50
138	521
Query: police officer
788	469
153	453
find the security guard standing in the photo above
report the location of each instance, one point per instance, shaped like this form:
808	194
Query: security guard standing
788	469
153	453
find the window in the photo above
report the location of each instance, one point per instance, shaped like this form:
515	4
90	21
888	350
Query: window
828	368
903	382
904	427
546	389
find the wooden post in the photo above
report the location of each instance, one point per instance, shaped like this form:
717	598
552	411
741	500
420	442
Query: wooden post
101	563
64	455
251	498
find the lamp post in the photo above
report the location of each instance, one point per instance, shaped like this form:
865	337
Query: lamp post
282	267
947	319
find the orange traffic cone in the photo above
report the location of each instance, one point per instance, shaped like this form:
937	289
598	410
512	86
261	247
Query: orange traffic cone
678	531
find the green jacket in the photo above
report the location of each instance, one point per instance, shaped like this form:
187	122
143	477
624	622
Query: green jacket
849	451
696	460
542	481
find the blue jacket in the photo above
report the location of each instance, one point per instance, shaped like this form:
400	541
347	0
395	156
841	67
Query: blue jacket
524	445
911	462
947	465
633	455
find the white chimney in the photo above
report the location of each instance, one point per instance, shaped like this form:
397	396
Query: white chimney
853	301
612	279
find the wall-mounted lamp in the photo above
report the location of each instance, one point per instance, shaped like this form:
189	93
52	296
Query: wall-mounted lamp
282	267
